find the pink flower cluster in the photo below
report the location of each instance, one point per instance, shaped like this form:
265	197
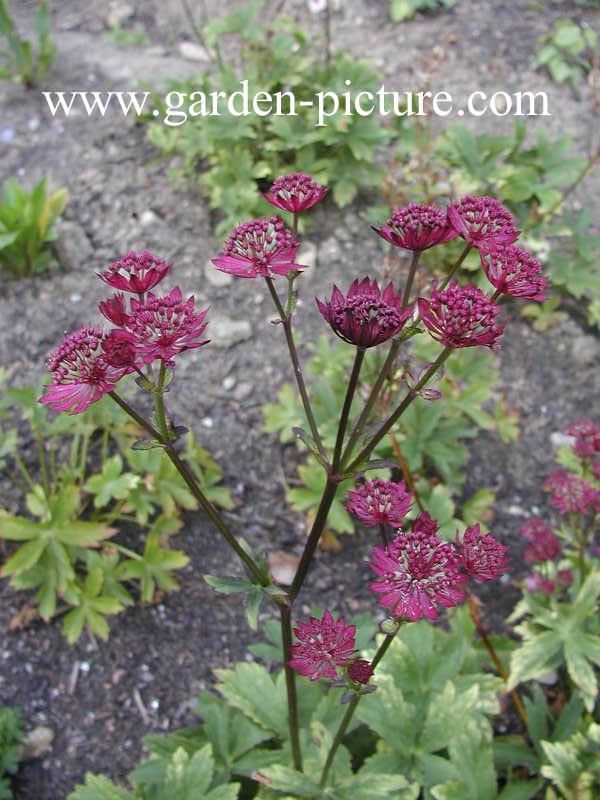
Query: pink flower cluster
380	502
418	571
90	361
323	646
366	316
575	495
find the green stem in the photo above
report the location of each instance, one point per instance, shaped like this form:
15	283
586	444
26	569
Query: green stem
371	399
161	416
189	479
411	276
43	463
314	536
24	471
289	337
467	249
381	651
350	391
285	613
393	418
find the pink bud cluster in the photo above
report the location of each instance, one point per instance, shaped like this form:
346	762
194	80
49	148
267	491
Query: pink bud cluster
90	361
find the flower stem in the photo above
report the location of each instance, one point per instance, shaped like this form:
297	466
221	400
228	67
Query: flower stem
350	391
195	489
411	276
406	473
381	651
467	249
383	534
285	614
160	402
495	658
314	536
372	398
289	337
393	418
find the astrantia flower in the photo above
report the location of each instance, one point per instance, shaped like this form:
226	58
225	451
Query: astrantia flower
259	247
483	221
81	374
571	494
564	577
359	670
366	316
537	583
425	523
543	544
587	437
322	646
115	309
417	572
296	192
166	326
135	272
379	502
461	316
417	227
514	271
483	557
120	349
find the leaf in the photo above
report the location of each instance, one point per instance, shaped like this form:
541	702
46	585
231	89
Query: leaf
154	568
250	688
111	483
97	787
531	659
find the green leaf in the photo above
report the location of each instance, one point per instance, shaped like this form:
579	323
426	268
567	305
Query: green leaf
97	787
228	585
111	484
531	659
251	689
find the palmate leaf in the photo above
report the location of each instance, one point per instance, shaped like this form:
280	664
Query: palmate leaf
561	629
258	695
154	568
98	787
91	607
111	484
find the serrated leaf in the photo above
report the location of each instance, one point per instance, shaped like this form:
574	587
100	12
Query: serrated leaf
98	787
250	688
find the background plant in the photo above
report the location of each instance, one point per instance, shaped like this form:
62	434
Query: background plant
567	53
401	10
86	492
11	738
29	60
26	220
534	180
231	155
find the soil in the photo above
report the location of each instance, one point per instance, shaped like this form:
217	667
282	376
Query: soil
100	699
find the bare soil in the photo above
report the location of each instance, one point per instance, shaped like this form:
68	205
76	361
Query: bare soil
100	699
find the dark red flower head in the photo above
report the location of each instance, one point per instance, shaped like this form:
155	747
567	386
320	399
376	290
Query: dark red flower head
417	227
259	247
322	646
81	373
120	349
366	316
587	437
483	557
380	502
543	544
166	326
461	316
135	272
483	221
359	670
295	192
571	493
115	309
513	271
416	572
